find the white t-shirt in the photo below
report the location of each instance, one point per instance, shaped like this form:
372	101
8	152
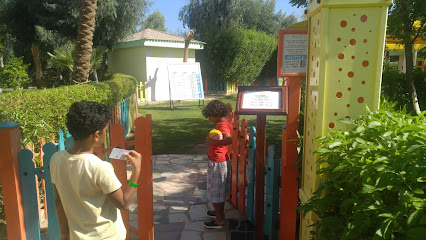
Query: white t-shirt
83	180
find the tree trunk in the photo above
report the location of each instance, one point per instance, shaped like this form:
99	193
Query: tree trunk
83	48
1	61
188	39
35	50
409	66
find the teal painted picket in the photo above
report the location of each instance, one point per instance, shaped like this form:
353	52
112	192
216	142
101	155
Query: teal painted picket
124	107
29	194
216	86
251	153
49	149
272	194
29	185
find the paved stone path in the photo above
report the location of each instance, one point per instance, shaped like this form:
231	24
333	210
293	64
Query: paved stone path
180	202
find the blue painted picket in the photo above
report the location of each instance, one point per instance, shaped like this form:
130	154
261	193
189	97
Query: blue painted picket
251	153
27	173
272	194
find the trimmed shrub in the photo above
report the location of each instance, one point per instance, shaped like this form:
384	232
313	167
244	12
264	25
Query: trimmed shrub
43	112
373	179
237	55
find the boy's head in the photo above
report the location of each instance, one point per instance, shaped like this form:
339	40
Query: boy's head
85	118
215	108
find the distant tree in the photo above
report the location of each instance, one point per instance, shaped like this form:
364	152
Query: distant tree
116	20
155	20
212	18
49	24
251	14
401	25
299	3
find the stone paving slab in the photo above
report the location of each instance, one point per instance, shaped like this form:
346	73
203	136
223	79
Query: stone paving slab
180	202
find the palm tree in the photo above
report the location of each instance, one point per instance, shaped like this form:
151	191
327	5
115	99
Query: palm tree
83	48
63	56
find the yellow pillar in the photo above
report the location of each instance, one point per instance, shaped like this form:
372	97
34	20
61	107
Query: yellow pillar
346	47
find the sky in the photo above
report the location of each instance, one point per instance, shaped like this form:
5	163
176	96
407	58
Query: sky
170	9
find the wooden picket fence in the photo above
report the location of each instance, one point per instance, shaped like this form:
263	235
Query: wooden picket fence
243	153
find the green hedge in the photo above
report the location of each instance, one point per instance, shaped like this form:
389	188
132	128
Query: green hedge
43	112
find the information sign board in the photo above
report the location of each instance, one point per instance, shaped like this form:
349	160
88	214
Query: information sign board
261	100
292	52
185	81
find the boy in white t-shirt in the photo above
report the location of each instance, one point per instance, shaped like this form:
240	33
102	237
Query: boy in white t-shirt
88	195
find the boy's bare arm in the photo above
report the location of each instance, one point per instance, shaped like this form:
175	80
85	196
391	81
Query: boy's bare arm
227	139
122	197
62	218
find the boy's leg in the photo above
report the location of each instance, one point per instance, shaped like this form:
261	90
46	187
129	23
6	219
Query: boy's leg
219	209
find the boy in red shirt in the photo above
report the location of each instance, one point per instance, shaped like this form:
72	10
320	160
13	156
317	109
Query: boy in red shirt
219	169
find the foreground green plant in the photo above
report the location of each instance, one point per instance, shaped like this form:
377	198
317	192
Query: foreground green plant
373	179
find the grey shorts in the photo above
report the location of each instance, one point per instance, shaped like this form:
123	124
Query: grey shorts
218	181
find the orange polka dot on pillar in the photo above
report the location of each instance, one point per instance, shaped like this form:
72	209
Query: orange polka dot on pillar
363	18
353	57
347	117
365	63
360	99
343	23
339	95
335	114
341	56
365	40
339	39
349	89
340	69
363	82
331	125
348	105
353	29
352	41
351	74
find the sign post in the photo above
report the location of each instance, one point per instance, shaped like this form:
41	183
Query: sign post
292	57
261	101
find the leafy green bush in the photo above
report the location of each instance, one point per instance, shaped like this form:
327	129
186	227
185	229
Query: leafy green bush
14	74
373	179
42	112
237	55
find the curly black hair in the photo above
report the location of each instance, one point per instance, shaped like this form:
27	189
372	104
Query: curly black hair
85	118
215	108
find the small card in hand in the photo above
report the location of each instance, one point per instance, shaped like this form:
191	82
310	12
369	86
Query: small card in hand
117	153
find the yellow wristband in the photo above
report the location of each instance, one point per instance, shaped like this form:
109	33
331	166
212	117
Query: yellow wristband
132	184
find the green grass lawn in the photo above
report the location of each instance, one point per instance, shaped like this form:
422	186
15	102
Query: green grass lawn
183	131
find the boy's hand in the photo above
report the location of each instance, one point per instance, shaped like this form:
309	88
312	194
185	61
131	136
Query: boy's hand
134	158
